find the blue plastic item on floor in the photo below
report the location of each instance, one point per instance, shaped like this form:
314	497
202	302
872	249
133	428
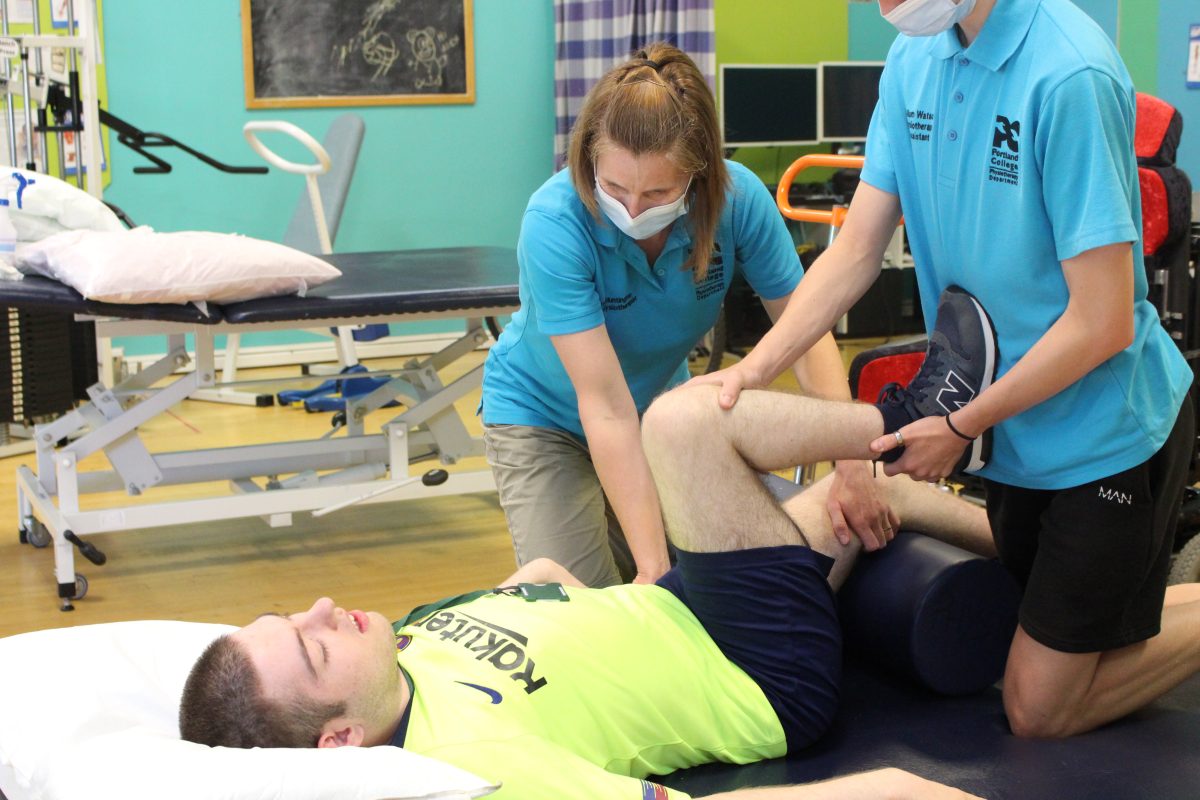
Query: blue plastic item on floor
331	395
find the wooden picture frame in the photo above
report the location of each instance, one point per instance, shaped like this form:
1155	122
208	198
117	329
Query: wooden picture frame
316	53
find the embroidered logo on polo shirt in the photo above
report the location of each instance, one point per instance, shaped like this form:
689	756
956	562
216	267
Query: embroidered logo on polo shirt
618	303
714	279
920	125
1004	165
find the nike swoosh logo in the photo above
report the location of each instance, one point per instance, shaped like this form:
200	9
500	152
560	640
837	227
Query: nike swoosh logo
492	693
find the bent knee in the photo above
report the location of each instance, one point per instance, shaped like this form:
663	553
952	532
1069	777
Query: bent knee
1036	717
678	415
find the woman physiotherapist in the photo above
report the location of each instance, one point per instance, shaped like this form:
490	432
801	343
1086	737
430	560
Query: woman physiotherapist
625	258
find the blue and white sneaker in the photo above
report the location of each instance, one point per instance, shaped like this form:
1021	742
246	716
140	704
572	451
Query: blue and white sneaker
960	362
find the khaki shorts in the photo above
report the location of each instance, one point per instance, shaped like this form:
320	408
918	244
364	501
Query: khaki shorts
554	503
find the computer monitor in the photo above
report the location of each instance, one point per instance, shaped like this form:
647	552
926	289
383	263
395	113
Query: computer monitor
766	105
846	96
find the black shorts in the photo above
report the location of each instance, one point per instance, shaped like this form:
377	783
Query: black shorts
772	612
1094	558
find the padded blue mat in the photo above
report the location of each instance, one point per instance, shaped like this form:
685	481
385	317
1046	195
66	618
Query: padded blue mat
965	742
397	282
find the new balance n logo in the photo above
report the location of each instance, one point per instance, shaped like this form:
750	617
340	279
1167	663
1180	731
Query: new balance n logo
955	394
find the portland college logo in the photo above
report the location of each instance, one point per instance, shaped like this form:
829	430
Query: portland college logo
1004	165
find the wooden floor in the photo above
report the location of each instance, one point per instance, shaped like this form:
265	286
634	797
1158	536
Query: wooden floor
388	557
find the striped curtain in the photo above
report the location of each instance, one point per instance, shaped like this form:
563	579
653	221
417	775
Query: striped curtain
592	36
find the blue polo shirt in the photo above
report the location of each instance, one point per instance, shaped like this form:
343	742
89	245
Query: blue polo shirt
1009	157
577	272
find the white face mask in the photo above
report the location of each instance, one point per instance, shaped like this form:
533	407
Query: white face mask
647	223
928	17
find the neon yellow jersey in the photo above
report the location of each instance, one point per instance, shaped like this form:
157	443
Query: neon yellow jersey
578	699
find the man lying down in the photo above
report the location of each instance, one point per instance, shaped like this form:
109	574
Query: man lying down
561	691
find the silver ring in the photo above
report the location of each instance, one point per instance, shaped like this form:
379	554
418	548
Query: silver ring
899	438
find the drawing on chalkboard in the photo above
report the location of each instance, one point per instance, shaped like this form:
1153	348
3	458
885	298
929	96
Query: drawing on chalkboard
376	47
301	53
429	54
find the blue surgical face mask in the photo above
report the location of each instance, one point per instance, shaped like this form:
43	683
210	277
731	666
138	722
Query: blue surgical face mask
928	17
647	223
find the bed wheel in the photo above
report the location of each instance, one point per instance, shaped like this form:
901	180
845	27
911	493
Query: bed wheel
72	591
1185	566
37	535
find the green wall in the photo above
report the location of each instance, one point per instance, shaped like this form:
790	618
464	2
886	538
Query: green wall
1137	40
779	32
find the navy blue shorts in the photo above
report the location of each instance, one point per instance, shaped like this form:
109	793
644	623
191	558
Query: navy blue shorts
772	613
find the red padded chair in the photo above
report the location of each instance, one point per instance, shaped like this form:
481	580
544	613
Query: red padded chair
1166	217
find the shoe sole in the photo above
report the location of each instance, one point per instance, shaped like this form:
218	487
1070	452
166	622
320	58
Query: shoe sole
976	455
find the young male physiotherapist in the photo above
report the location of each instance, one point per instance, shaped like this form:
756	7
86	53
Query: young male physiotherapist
1004	132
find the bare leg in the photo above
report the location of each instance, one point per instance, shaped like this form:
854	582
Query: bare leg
1049	693
706	462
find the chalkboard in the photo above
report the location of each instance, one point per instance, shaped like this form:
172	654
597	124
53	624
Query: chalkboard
303	53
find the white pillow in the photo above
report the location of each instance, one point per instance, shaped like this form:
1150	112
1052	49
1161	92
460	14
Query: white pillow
45	206
89	713
142	266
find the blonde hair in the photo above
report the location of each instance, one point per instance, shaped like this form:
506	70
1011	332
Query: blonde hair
657	102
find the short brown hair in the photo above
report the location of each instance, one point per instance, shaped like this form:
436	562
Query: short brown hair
657	102
223	705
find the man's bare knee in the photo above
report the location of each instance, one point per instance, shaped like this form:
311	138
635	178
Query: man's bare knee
676	420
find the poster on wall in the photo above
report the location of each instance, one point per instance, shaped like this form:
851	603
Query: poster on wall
307	53
23	142
20	12
1193	68
71	149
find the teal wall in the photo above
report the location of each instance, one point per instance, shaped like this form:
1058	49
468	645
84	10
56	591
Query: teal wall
460	175
870	34
431	176
1105	13
428	176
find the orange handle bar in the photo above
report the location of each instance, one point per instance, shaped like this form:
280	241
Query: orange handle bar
833	217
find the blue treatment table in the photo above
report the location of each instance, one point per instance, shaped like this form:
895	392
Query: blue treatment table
274	480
